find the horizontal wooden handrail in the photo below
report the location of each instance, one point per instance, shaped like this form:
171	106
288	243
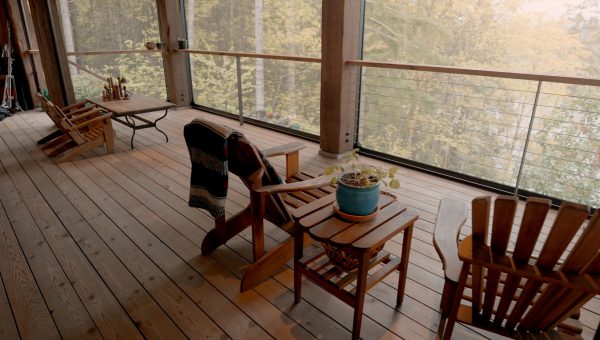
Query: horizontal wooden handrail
114	52
254	55
365	63
104	52
477	72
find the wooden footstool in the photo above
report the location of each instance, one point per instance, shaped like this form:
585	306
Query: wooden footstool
351	244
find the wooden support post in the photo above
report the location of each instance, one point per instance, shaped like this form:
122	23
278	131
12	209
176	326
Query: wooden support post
340	42
177	71
21	44
33	45
46	22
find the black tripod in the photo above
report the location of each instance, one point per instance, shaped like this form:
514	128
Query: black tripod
10	103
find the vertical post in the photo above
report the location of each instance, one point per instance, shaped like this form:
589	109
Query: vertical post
238	64
21	46
533	111
340	42
52	51
177	73
31	43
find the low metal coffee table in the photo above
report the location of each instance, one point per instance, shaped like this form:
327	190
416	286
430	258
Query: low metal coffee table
363	241
131	109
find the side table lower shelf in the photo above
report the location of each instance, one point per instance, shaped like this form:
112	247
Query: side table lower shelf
320	270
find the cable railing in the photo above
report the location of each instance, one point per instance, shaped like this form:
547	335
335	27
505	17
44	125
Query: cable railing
277	90
519	133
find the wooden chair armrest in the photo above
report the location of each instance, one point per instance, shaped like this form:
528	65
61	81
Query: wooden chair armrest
85	115
285	149
74	106
452	214
101	117
78	112
313	183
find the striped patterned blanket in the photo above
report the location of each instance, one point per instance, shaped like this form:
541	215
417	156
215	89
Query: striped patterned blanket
207	145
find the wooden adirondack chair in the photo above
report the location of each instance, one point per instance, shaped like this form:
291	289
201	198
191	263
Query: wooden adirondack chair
71	111
275	203
79	133
513	293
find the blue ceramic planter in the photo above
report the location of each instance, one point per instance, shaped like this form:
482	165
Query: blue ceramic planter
357	201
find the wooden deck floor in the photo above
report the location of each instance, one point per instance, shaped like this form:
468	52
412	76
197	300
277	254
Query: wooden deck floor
106	246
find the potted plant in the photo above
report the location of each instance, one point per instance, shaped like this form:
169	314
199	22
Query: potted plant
182	43
358	185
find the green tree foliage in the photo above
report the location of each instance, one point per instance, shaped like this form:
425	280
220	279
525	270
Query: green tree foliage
291	89
101	25
478	125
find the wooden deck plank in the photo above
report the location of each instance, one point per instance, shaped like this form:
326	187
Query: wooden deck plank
106	312
8	327
170	217
191	319
172	299
17	282
69	314
162	170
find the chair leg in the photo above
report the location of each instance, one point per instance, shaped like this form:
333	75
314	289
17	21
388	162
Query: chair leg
260	270
225	230
258	233
458	294
447	296
56	141
50	137
109	137
78	150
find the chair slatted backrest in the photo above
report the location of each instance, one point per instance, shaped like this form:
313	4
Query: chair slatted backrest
65	124
244	159
48	107
541	304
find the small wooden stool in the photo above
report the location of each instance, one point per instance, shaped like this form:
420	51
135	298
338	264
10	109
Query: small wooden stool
351	244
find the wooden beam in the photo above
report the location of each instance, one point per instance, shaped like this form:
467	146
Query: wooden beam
340	43
21	45
177	71
46	22
33	45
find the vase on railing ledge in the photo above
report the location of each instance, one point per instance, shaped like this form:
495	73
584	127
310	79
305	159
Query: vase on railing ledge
182	44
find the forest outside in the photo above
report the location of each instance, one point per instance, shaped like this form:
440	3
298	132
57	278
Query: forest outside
472	125
284	93
478	126
108	25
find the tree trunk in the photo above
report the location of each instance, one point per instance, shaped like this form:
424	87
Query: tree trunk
65	17
291	50
191	15
260	71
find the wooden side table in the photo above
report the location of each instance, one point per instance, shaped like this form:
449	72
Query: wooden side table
361	240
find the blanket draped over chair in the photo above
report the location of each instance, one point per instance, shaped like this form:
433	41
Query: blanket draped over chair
216	150
207	145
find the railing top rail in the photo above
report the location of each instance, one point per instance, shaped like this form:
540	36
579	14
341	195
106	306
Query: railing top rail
478	72
254	55
114	52
365	63
103	52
